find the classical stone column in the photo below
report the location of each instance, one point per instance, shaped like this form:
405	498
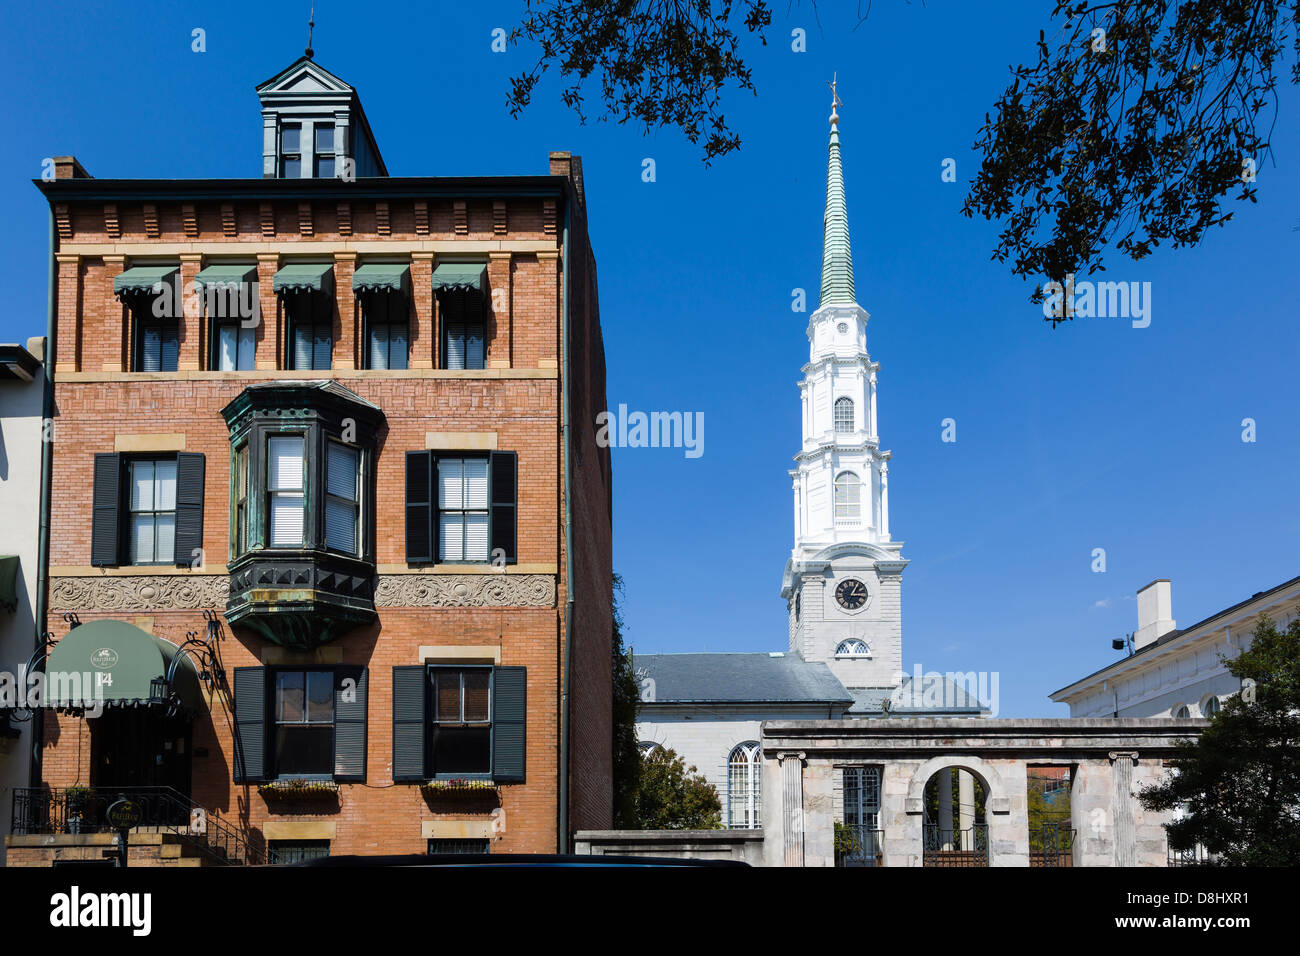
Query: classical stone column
1125	842
792	806
965	800
944	779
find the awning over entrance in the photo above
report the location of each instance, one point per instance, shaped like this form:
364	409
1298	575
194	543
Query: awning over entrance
115	662
461	276
305	277
143	278
382	277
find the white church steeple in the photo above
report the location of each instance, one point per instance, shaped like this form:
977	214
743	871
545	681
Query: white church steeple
842	580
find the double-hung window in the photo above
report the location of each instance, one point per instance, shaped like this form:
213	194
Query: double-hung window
291	151
463	509
304	723
387	330
342	505
311	330
464	330
157	344
152	505
324	152
460	737
240	537
284	488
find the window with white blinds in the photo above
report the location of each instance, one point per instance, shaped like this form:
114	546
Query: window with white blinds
153	511
465	346
462	509
236	347
284	485
342	481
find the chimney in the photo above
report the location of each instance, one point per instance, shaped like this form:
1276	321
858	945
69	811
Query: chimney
67	167
1155	613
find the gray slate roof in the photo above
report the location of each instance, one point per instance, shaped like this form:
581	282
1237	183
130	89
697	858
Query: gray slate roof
950	699
738	678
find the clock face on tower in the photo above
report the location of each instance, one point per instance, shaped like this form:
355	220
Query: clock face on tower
851	594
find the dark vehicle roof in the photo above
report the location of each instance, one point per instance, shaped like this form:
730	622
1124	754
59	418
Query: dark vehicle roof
507	860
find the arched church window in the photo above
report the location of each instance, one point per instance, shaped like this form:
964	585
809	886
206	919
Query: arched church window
744	786
843	415
852	648
848	497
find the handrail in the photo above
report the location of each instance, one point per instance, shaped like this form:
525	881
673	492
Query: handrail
82	810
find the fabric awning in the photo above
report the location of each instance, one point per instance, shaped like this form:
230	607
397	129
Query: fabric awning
461	276
129	658
226	275
382	277
8	581
305	277
139	279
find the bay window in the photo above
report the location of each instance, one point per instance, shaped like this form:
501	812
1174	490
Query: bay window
284	487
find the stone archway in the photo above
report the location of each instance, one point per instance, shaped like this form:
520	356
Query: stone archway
960	838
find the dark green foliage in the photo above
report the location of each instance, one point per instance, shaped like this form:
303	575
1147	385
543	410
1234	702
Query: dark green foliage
627	761
673	796
1239	782
1133	137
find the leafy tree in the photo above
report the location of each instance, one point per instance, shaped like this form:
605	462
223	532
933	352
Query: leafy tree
673	796
1239	782
1135	121
627	759
1138	117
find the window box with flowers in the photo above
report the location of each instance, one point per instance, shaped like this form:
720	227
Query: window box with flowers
440	787
298	788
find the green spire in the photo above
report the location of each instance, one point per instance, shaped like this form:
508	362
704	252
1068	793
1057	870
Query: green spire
837	256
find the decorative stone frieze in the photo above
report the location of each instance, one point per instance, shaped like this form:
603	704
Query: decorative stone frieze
465	590
162	592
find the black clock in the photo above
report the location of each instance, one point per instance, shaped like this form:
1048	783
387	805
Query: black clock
852	594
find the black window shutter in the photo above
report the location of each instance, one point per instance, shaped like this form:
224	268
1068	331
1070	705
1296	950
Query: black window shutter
421	523
509	709
250	724
189	507
503	466
350	686
408	722
106	521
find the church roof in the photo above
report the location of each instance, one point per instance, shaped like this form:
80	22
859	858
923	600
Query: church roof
944	698
737	678
837	255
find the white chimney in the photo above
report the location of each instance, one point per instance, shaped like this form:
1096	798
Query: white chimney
1155	613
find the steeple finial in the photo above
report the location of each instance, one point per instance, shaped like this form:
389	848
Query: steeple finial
837	256
311	25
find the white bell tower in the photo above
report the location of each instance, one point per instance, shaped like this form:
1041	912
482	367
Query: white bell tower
842	582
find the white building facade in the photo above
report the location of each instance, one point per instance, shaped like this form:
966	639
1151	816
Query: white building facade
1178	673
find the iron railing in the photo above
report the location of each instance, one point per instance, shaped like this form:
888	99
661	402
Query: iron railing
162	810
945	847
1196	856
858	846
1052	844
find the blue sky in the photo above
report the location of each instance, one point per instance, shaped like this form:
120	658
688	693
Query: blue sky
1091	435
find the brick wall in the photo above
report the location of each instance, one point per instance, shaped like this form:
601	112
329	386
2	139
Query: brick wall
518	398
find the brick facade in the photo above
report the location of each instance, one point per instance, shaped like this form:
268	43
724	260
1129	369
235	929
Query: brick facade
517	400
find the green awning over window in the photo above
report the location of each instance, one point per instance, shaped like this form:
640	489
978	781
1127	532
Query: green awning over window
9	582
305	277
129	657
226	275
382	277
143	278
461	276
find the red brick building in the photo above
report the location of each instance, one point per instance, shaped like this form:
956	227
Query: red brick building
335	429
